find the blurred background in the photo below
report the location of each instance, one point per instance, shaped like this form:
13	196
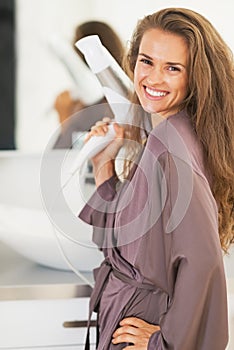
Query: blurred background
32	76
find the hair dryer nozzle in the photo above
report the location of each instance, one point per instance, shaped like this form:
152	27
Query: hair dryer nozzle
95	56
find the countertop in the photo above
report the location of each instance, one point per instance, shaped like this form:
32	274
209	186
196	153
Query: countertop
22	279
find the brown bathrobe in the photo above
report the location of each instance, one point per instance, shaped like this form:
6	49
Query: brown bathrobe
159	234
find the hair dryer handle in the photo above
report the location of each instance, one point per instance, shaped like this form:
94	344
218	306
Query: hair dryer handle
95	145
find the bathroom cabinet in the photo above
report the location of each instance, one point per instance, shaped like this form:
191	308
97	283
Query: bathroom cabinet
42	308
38	304
28	324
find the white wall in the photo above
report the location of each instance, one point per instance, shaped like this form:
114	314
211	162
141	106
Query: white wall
124	14
41	76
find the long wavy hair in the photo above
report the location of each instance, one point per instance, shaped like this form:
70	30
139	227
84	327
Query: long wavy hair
210	99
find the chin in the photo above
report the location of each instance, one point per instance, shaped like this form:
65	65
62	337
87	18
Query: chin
150	110
149	107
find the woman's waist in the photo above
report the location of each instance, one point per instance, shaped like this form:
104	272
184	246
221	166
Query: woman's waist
113	284
146	303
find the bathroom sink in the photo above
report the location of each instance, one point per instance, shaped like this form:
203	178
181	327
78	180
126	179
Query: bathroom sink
39	204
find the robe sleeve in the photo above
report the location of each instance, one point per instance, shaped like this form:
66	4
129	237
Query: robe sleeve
94	212
196	317
98	211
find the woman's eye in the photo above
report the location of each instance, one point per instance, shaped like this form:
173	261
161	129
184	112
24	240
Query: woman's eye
146	61
173	69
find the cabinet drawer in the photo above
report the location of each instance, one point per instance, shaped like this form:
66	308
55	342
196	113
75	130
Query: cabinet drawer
44	323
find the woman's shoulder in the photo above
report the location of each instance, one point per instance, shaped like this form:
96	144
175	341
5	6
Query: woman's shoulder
176	135
172	133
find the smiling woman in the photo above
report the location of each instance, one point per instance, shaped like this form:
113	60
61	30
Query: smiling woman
162	230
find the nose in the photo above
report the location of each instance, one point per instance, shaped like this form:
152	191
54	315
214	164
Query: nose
155	76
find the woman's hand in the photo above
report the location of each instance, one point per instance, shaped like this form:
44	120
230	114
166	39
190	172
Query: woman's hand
103	162
136	331
66	106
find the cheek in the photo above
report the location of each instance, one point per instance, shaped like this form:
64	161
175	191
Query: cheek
182	87
136	74
136	80
184	84
139	74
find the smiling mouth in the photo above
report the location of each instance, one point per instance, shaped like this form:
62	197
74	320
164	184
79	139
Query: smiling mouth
155	93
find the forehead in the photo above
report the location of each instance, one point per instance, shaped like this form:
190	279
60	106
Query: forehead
159	44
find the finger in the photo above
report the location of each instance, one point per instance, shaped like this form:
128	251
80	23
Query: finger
96	131
100	122
133	321
106	119
99	129
93	132
87	137
119	130
125	329
124	338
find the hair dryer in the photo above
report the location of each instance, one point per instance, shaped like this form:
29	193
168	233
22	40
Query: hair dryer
116	87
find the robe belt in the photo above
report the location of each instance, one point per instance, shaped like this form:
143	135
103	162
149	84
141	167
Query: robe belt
101	275
133	282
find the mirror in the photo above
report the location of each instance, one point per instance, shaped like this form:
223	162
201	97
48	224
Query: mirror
40	75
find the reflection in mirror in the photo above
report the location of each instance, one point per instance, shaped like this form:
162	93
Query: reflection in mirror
41	76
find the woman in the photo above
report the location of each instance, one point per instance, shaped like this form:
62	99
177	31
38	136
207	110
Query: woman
162	284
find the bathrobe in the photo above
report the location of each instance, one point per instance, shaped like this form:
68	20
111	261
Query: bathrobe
158	231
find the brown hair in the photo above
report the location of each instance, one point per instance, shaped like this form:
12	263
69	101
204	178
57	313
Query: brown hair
209	103
107	35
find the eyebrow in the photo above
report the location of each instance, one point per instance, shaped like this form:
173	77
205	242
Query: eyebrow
170	63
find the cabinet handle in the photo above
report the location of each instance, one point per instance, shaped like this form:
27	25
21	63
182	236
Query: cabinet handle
78	324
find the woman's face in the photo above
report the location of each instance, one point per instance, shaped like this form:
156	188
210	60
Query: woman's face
160	75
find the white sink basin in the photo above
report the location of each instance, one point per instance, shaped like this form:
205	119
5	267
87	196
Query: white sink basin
37	218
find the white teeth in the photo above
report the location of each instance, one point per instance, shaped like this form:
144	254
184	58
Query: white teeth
155	93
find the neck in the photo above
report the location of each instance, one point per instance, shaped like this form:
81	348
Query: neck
156	119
